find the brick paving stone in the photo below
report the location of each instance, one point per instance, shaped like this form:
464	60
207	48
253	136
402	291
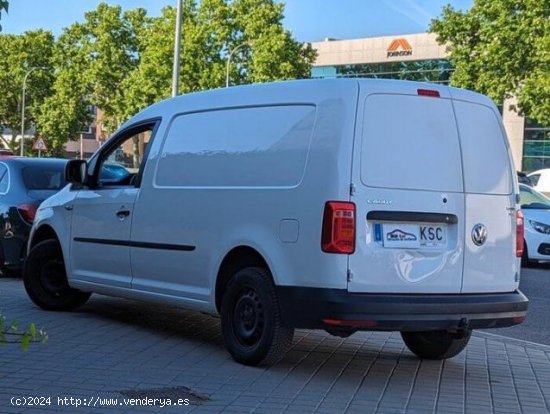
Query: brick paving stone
111	345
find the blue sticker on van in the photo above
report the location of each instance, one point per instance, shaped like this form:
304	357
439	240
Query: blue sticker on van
378	232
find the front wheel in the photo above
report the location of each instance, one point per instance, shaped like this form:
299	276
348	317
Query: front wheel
253	330
436	344
45	279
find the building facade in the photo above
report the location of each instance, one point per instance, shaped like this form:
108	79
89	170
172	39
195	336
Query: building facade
420	57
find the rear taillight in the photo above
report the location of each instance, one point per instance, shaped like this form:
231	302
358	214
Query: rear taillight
519	233
338	234
27	211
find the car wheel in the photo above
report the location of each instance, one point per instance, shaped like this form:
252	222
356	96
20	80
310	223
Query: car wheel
45	279
253	330
436	344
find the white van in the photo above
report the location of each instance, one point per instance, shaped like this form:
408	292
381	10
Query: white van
341	205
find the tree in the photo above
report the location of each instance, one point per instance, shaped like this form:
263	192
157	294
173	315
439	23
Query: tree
501	48
273	53
19	54
93	58
264	50
122	62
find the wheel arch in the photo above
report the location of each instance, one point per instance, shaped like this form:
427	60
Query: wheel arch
44	232
237	258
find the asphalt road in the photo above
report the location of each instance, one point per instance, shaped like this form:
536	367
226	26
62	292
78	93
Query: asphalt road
535	284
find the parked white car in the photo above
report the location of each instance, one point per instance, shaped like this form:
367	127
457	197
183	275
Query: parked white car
536	212
541	180
341	205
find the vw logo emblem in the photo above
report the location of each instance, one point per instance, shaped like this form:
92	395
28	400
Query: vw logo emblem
479	234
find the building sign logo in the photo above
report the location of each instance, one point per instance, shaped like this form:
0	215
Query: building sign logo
399	47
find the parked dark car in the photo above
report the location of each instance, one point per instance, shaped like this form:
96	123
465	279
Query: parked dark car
24	184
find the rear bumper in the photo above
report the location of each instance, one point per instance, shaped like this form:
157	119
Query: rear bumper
316	308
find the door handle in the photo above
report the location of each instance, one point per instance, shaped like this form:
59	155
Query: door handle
122	214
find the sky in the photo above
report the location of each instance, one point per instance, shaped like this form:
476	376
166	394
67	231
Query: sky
308	20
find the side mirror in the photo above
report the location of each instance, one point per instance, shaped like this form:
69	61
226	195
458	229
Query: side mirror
75	171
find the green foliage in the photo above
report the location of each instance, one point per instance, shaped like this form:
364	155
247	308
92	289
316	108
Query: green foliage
252	29
93	58
501	48
11	334
19	54
122	62
274	54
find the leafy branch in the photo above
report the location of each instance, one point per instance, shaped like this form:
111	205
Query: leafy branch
11	334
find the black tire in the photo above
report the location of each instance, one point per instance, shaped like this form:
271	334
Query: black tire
45	279
436	344
251	322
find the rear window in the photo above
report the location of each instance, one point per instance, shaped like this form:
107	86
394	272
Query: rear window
410	142
41	177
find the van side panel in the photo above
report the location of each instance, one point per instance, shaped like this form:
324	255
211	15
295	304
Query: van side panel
252	167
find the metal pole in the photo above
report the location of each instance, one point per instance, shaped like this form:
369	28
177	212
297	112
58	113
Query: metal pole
177	47
29	71
229	61
23	115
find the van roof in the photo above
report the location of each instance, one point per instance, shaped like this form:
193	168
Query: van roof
272	88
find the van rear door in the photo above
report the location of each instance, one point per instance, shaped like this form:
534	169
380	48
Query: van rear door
409	192
490	263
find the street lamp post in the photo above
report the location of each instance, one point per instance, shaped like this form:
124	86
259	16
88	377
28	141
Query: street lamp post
177	47
229	61
29	71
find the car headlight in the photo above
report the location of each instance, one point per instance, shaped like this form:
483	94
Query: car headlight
540	227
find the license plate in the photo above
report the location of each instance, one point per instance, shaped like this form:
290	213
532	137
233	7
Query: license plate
414	235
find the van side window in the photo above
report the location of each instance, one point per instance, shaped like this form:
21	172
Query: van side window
121	164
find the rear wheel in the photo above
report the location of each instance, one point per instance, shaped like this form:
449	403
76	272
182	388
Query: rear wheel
45	279
436	344
253	330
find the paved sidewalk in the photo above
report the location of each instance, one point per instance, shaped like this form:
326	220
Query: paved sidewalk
115	349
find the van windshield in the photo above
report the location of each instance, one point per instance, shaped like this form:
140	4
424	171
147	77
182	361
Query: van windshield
533	200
